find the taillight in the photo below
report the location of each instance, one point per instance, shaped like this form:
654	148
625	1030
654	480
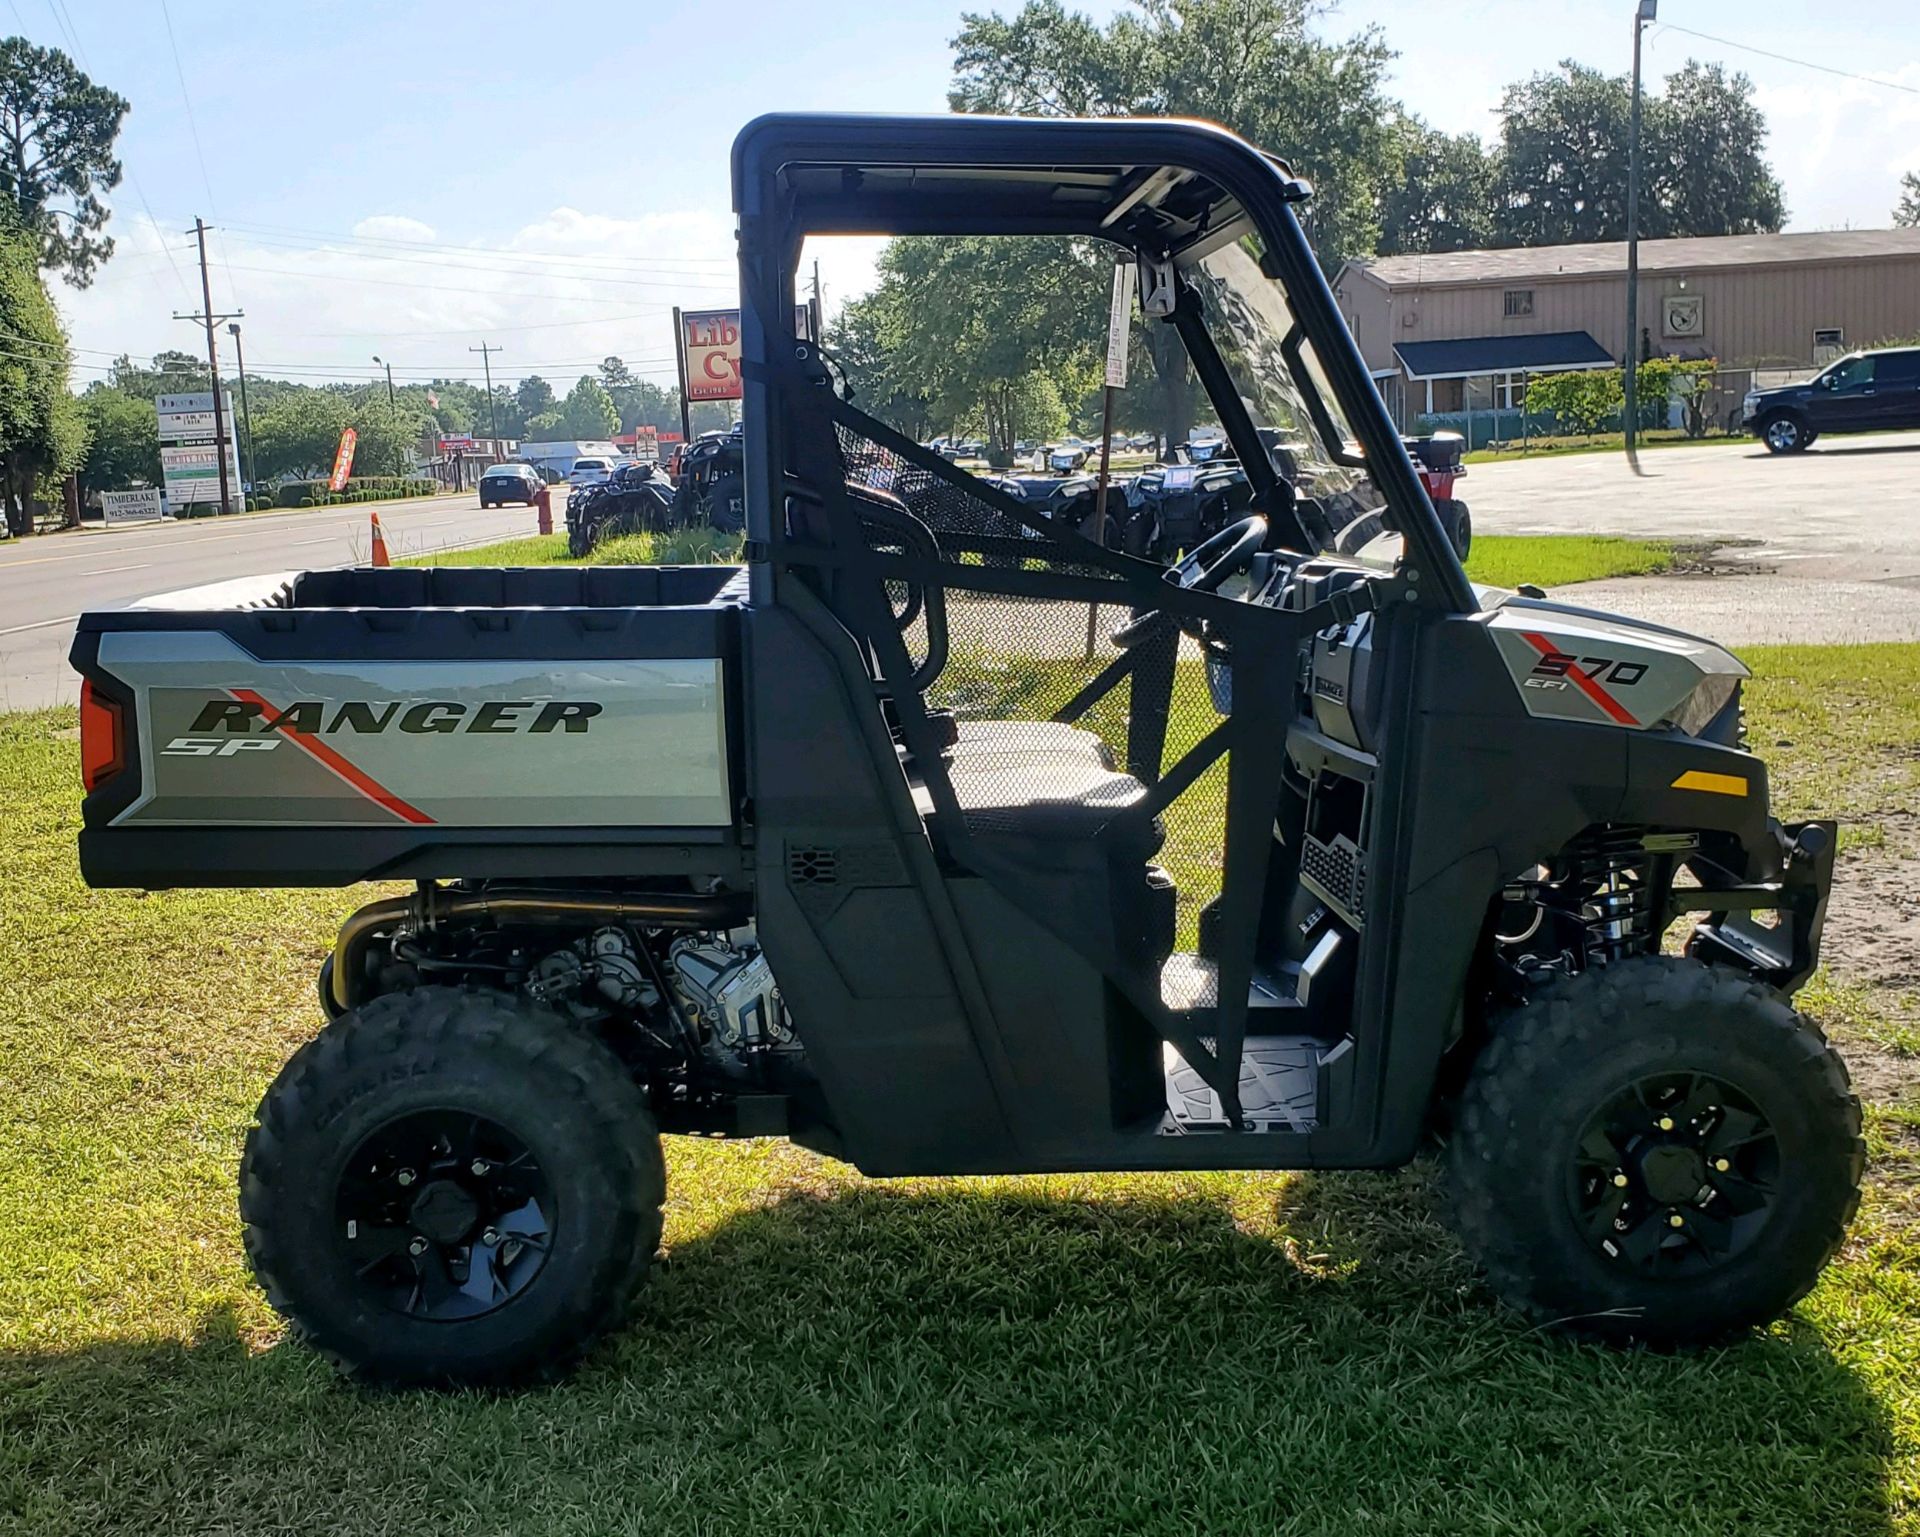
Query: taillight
102	750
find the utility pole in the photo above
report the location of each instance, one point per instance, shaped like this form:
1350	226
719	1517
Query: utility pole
389	368
1643	14
493	408
207	318
246	411
819	307
680	363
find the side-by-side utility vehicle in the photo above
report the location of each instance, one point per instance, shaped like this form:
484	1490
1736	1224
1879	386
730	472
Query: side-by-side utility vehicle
943	839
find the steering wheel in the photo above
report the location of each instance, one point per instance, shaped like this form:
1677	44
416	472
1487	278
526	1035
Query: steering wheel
1201	569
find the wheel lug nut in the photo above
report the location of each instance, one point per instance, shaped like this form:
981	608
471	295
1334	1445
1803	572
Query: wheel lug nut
1722	1164
1620	1180
480	1166
417	1247
1666	1123
405	1177
491	1236
1676	1220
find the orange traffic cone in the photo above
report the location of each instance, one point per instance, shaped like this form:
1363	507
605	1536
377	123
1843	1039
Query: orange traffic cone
380	557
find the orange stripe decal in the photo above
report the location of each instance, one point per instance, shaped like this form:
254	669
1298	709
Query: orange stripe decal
321	753
1581	681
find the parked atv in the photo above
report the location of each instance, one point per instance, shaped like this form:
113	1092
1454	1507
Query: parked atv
633	499
1436	459
711	490
1298	851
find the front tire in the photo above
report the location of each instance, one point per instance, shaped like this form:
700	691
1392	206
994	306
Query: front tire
452	1186
1655	1150
1785	434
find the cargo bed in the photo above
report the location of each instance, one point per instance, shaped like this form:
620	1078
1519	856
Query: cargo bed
324	727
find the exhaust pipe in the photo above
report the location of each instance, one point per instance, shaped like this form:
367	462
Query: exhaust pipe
430	906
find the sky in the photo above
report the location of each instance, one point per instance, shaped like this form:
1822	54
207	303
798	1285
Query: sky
411	181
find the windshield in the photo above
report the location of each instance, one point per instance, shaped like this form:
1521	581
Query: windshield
1246	314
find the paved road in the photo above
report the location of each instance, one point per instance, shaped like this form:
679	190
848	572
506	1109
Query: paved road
45	582
1833	541
1832	536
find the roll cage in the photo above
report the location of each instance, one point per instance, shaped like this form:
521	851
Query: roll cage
861	543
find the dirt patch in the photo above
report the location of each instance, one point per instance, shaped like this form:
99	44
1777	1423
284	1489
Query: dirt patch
1717	557
1872	939
1873	916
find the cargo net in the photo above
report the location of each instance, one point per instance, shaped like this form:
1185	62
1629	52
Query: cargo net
1014	662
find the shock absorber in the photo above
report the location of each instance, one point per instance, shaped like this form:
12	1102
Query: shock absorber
1613	870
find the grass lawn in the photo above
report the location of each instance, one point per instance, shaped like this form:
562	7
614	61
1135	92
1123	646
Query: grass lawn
1500	560
1602	443
1263	1354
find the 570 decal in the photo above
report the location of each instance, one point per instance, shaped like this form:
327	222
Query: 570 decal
1555	667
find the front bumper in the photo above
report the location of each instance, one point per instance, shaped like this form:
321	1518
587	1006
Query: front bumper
1785	951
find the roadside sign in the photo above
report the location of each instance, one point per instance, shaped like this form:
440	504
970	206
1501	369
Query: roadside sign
191	471
343	459
178	425
712	341
1119	325
189	466
130	506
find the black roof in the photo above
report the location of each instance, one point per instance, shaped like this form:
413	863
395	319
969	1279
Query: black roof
852	173
1544	350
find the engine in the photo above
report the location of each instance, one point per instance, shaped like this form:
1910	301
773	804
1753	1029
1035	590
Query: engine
729	1010
727	989
593	974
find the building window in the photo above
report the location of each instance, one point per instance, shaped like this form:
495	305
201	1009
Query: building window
1519	303
1830	336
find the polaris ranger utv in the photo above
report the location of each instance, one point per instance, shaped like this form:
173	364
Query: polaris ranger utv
944	849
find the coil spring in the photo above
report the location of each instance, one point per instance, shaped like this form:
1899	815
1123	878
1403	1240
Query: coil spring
1612	866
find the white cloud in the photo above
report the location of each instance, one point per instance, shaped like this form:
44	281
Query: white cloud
392	226
1839	146
556	294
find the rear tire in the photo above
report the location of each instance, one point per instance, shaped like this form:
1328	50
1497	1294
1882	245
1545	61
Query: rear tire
452	1186
1595	1109
1786	433
1459	525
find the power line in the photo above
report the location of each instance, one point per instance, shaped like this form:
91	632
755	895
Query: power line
425	287
537	325
597	258
199	153
65	22
703	282
1785	58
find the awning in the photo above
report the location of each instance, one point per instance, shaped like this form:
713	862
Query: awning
1471	356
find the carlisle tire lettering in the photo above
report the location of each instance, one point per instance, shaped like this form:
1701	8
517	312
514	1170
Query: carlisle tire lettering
427	717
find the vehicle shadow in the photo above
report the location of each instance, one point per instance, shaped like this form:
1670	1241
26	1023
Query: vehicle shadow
1851	449
1309	1355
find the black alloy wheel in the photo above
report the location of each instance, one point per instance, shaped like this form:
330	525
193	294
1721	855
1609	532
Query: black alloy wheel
444	1215
1654	1150
1674	1175
452	1185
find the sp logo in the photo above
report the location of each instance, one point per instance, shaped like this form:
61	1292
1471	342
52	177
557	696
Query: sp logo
217	747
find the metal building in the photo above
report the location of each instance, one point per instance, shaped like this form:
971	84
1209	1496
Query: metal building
1464	331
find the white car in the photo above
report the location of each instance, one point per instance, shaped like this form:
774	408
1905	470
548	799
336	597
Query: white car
590	472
